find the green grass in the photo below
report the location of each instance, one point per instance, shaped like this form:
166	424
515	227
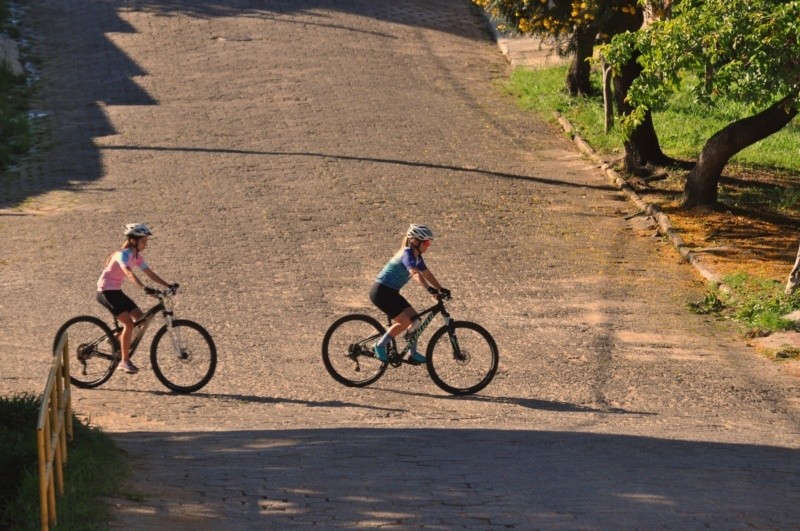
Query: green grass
760	304
95	469
683	126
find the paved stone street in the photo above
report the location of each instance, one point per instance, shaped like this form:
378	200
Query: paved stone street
279	149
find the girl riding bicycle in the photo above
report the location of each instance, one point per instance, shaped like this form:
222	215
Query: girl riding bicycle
406	264
109	286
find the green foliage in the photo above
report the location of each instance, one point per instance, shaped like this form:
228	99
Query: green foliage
94	470
681	125
560	18
760	304
4	13
745	51
16	136
18	416
711	304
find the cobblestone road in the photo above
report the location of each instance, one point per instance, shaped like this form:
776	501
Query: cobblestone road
279	149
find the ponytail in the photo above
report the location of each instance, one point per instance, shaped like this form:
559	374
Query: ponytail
126	245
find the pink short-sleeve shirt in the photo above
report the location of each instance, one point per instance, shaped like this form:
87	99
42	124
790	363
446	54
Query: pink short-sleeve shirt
113	275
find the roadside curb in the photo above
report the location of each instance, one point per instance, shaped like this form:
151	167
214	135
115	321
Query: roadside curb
778	345
514	50
664	224
505	43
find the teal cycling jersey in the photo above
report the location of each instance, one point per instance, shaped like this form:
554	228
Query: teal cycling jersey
395	274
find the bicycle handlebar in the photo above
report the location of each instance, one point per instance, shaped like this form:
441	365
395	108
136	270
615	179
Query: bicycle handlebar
159	294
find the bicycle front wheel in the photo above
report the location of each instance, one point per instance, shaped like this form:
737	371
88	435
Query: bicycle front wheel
463	362
183	358
93	350
347	350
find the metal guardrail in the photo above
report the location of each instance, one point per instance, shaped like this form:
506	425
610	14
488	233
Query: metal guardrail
52	430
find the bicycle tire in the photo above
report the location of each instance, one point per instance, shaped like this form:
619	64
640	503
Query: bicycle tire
94	351
467	375
190	369
347	346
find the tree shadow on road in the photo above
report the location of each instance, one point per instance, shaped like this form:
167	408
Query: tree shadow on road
398	162
83	71
481	478
551	405
457	18
528	403
255	399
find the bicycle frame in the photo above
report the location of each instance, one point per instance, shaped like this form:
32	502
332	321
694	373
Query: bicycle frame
438	308
141	326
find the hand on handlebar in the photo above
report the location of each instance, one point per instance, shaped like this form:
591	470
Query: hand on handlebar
440	294
173	288
152	292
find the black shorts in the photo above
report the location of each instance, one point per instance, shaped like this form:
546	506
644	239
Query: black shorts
388	300
116	302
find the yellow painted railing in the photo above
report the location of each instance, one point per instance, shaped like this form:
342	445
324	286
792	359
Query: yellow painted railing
52	431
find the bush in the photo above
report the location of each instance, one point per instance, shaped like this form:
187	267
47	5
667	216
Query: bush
94	470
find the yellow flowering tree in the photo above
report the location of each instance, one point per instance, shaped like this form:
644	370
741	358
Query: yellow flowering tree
575	26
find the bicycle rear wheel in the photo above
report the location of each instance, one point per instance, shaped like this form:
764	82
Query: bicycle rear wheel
347	350
186	364
93	350
465	362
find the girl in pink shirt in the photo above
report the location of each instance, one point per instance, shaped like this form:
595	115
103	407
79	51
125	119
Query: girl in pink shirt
109	286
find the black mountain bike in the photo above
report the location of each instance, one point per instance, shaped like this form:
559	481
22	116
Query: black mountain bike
461	356
182	353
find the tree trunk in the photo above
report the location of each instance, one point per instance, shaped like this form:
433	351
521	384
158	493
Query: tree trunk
642	148
700	190
578	83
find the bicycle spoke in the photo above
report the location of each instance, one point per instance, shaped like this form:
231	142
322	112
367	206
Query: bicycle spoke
184	359
347	350
91	350
464	364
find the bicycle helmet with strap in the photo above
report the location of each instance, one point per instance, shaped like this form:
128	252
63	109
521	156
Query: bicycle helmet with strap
137	230
419	232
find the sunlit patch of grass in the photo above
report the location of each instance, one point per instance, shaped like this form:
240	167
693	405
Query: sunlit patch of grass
682	124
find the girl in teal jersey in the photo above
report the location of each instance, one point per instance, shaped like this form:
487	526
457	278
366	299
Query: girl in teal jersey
406	264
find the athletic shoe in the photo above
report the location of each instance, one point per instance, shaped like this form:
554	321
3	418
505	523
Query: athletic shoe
129	367
380	352
417	358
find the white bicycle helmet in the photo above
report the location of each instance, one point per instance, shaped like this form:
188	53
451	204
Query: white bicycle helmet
419	232
137	230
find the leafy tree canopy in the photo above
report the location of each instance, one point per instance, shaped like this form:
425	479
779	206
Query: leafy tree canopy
742	50
558	18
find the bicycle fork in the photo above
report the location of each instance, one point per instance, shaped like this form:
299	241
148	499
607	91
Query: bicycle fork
174	335
451	333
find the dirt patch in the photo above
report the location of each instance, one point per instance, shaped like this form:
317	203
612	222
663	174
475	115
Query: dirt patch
754	230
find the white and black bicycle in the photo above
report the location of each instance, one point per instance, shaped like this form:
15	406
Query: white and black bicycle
182	353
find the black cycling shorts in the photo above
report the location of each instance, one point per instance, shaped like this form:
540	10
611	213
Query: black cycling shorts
388	300
116	302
